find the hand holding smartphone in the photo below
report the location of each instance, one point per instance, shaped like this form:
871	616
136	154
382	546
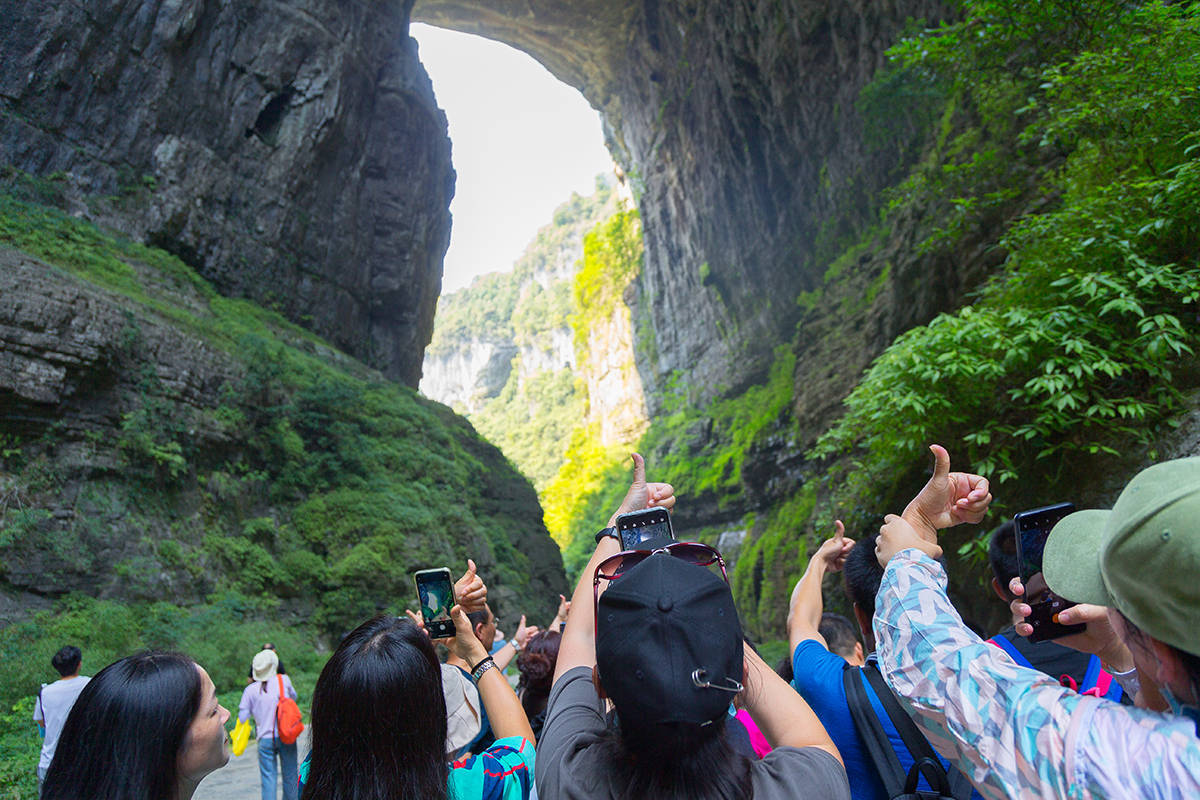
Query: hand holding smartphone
435	592
1032	529
642	526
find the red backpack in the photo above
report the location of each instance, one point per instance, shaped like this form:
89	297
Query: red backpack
288	725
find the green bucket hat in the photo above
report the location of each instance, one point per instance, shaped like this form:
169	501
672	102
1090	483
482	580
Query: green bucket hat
1142	557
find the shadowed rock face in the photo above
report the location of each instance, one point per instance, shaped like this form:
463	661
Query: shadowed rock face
292	151
736	123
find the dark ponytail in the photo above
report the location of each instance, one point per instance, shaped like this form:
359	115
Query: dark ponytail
678	761
379	718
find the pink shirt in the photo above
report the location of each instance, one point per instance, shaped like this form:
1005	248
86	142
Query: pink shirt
261	705
757	740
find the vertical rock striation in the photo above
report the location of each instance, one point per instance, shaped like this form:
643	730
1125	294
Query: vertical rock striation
737	124
292	153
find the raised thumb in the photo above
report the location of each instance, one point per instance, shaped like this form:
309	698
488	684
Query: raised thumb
639	470
941	461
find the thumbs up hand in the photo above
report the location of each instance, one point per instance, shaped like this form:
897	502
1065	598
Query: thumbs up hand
949	498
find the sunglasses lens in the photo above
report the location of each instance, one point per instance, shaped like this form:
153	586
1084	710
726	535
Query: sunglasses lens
698	554
622	562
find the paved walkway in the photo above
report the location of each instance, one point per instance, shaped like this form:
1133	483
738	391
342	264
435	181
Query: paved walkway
238	780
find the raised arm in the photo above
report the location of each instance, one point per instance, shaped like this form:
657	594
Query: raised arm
779	711
560	617
504	656
504	710
578	645
807	605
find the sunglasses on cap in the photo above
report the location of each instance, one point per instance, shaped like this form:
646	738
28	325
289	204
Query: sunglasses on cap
613	567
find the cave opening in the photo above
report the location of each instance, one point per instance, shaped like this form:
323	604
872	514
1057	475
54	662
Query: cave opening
522	143
534	180
266	125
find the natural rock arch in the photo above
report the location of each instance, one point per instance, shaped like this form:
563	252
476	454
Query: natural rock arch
736	122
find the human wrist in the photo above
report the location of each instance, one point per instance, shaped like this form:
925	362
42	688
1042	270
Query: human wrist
924	529
473	654
1116	658
482	668
931	549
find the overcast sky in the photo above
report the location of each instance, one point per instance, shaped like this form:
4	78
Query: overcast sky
522	142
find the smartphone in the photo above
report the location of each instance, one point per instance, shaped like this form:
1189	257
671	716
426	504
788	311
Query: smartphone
1033	528
435	591
641	526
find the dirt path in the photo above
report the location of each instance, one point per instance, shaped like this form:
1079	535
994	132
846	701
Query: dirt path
238	780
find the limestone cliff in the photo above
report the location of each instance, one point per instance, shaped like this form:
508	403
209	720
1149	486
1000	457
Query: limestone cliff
509	352
161	442
291	153
738	125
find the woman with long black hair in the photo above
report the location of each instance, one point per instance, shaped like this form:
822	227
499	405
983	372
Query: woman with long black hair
379	721
656	632
147	727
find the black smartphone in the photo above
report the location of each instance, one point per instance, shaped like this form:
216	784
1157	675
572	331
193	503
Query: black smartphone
1033	528
641	526
435	591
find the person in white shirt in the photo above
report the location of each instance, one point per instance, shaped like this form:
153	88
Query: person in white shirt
55	701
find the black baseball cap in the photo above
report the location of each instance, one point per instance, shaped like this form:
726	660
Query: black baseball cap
667	635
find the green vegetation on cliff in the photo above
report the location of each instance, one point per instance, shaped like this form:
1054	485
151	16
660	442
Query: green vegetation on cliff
287	498
532	417
1067	143
1074	351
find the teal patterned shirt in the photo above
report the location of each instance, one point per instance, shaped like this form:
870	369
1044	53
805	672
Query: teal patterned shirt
1015	732
502	772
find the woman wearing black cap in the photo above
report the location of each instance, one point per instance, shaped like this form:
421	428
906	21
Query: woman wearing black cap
667	650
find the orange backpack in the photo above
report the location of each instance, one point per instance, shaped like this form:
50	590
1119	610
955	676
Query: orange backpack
288	725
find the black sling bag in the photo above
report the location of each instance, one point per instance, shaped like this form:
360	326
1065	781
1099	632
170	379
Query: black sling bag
946	784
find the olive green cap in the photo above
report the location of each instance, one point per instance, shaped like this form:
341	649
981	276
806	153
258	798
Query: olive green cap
1142	557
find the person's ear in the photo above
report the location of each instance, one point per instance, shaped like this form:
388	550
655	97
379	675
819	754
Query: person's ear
864	621
1001	592
596	682
858	654
1168	668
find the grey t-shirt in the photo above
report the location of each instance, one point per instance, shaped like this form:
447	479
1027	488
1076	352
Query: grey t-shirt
570	766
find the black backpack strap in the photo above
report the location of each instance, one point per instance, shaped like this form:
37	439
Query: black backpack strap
960	784
870	731
950	783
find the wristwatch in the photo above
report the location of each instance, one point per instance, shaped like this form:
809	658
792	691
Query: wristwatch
515	644
481	668
600	534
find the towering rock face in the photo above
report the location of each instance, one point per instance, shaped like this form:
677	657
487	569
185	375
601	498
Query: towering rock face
291	152
737	123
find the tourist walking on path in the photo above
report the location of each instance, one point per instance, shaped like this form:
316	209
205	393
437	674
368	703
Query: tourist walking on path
261	699
54	703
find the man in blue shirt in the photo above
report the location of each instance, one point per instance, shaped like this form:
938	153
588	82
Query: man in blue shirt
817	673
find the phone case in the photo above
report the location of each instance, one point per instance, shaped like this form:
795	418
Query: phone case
1043	616
438	628
631	530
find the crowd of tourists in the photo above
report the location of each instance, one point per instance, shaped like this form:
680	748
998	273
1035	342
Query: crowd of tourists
644	685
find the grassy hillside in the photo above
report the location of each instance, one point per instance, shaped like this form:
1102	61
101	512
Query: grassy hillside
293	499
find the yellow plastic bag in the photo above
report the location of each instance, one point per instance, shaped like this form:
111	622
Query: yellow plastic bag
240	737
